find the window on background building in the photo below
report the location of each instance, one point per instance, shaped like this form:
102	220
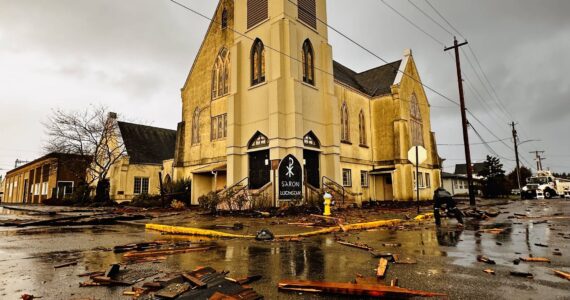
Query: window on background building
421	179
364	178
44	188
416	128
36	189
219	130
362	128
257	12
141	185
196	126
257	63
428	180
308	63
344	123
347	177
221	75
308	12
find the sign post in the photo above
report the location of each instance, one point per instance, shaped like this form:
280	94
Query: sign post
417	155
290	179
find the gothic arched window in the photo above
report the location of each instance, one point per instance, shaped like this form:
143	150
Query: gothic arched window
196	126
225	19
257	62
311	140
416	124
308	63
221	75
362	128
259	140
344	124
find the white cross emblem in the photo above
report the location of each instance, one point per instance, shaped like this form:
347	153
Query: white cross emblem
290	168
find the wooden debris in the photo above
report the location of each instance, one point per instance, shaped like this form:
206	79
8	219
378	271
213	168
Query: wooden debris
89	284
561	274
113	271
67	264
541	245
485	259
403	261
386	255
382	266
557	253
173	290
135	255
493	230
522	274
489	271
535	259
108	281
249	279
394	282
91	274
361	290
356	245
194	281
392	245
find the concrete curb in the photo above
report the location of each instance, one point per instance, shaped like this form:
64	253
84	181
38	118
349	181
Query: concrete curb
218	234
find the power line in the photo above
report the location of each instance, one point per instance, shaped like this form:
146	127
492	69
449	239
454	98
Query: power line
412	23
445	20
300	61
497	141
430	17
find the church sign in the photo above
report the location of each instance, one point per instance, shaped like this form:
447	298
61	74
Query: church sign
290	179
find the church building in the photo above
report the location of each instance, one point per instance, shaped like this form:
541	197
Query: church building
264	87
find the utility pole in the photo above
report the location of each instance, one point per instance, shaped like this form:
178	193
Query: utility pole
538	159
464	122
516	141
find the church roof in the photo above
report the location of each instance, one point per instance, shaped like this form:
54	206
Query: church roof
374	82
146	144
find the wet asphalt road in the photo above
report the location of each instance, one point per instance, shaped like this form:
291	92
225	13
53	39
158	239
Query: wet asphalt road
446	257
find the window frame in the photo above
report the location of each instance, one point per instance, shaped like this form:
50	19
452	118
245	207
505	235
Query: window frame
141	185
347	183
257	63
364	179
362	128
344	124
196	126
308	62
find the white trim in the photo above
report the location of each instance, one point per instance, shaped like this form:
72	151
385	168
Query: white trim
57	185
403	65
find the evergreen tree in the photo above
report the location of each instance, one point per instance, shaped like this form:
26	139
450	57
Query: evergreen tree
525	174
495	182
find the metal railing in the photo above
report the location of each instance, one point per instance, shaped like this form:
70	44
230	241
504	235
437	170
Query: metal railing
334	186
238	186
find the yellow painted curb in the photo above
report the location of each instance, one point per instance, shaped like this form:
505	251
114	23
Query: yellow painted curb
219	234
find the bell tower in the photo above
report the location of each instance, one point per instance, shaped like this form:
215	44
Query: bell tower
284	91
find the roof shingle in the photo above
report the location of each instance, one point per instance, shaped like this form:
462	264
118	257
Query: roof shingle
374	82
146	144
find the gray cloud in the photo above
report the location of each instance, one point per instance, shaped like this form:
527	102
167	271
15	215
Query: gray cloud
134	55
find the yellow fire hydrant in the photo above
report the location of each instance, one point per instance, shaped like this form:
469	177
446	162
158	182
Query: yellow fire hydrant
328	198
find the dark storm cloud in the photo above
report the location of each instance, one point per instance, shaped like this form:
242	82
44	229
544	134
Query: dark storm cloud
134	55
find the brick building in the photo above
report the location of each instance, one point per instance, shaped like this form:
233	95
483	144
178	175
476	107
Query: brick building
53	175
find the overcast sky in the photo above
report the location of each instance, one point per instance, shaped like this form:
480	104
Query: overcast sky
134	55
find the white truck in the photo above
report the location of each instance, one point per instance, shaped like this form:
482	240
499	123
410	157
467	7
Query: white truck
545	185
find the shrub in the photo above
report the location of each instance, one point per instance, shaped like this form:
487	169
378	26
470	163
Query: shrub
209	201
177	205
146	200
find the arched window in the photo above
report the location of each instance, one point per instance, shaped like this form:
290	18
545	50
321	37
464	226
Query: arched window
221	75
344	124
259	140
416	127
196	126
308	63
257	63
311	140
224	19
362	128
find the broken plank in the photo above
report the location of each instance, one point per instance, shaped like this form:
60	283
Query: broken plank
561	274
135	255
522	274
535	259
195	281
489	271
485	259
173	290
355	245
67	264
341	288
382	266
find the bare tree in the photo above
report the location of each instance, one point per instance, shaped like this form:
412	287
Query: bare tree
91	132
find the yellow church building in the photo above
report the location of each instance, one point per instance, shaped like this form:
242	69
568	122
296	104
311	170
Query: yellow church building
264	95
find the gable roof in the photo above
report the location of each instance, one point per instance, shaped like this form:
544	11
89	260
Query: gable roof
374	82
461	169
146	144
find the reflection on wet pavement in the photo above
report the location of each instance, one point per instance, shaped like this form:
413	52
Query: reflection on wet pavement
446	257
